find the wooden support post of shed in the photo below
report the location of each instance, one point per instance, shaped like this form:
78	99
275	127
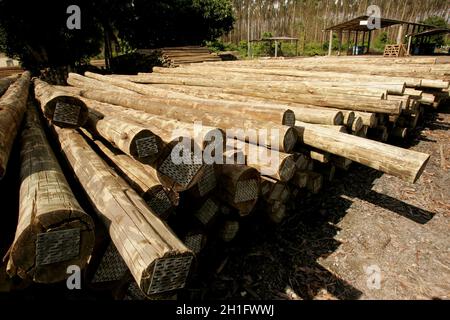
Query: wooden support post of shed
400	35
363	41
408	52
369	41
354	50
348	41
330	44
276	48
296	47
340	43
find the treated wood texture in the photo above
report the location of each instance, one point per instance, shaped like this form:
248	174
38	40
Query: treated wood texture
61	108
157	259
53	231
12	108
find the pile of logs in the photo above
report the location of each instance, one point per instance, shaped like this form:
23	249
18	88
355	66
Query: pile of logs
175	56
171	161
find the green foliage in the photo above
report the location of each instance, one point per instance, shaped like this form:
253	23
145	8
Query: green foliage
218	46
36	33
175	22
439	22
380	41
314	49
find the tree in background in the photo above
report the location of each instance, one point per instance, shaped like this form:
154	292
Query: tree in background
36	33
175	22
438	22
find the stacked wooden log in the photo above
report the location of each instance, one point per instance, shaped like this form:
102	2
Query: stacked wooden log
10	71
306	129
172	161
175	56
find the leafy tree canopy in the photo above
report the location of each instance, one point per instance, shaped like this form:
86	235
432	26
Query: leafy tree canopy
175	22
36	32
438	22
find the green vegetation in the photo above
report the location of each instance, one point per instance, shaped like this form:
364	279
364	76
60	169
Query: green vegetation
439	22
36	32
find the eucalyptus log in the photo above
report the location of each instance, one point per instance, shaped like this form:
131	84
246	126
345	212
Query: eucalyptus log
234	126
157	259
405	164
130	137
322	157
399	132
272	163
85	83
61	108
239	187
13	105
368	119
177	173
143	179
53	231
233	83
228	230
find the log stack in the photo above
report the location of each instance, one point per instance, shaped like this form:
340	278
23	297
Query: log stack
176	56
190	152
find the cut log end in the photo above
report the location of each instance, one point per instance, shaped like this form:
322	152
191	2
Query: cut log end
178	167
166	274
290	139
338	119
289	118
66	112
146	146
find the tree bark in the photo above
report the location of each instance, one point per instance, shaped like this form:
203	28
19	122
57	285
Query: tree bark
12	109
53	231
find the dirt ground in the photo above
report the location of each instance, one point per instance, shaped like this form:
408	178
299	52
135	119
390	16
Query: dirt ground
366	236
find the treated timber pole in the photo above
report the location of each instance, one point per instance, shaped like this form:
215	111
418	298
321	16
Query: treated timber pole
234	126
368	104
250	85
258	112
62	109
157	259
130	137
173	175
12	108
278	165
53	231
239	187
142	178
405	164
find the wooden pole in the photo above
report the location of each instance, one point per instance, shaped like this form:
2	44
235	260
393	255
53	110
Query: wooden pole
143	178
157	259
278	165
130	137
330	43
53	231
61	108
12	108
405	164
239	187
286	135
369	42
